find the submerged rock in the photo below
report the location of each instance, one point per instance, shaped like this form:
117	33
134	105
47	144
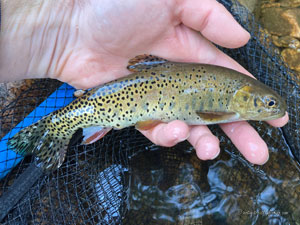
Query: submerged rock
282	20
286	41
292	57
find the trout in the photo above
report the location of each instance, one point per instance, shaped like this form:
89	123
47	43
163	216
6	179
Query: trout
157	91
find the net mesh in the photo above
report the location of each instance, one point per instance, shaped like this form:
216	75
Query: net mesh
125	179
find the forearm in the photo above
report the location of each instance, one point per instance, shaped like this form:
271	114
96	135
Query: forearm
29	37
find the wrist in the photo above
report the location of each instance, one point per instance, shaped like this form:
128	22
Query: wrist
29	34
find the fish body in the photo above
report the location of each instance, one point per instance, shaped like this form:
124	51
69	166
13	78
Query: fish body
156	91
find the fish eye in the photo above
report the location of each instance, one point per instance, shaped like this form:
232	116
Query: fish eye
271	103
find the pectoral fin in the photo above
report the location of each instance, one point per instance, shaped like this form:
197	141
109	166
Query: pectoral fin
93	134
218	117
144	62
147	125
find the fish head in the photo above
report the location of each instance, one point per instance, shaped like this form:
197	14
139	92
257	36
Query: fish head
258	102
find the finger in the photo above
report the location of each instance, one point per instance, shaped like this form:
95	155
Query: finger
204	142
247	141
168	134
214	22
190	46
279	122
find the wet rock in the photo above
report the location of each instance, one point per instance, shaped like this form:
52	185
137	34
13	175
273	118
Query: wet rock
249	4
289	3
282	22
292	57
292	16
286	41
281	3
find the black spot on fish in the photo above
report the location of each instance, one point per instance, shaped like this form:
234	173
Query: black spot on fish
255	103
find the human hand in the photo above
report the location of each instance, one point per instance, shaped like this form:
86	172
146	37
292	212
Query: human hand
88	43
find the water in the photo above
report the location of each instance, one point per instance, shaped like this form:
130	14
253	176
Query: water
172	186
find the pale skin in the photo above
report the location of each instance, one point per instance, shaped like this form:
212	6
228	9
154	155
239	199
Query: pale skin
88	43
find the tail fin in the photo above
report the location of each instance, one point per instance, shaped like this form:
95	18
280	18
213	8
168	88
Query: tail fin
41	140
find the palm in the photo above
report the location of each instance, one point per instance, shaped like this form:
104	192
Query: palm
111	37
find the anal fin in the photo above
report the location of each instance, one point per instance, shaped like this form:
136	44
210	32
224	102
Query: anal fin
93	134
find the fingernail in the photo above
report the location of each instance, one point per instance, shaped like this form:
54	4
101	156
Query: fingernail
178	134
216	155
265	160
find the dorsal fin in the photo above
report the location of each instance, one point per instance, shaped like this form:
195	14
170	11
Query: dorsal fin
144	62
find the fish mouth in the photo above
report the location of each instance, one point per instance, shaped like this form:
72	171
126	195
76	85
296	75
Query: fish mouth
278	114
281	111
265	116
